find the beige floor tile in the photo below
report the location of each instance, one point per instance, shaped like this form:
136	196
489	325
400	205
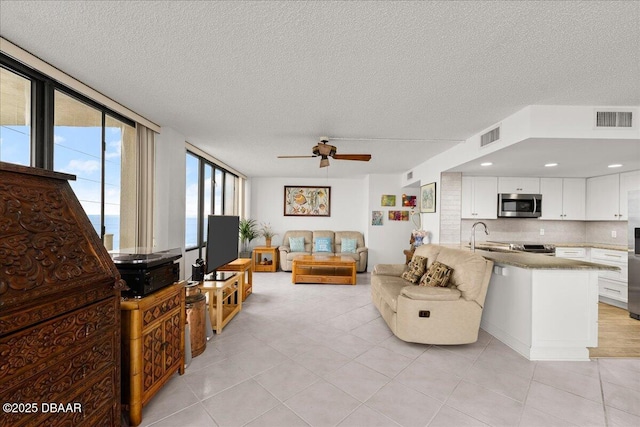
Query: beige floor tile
286	379
564	405
280	416
448	417
358	380
487	406
404	405
240	404
322	404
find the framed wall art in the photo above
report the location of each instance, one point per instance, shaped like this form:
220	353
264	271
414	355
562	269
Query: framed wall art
398	215
307	201
388	200
409	201
376	217
428	198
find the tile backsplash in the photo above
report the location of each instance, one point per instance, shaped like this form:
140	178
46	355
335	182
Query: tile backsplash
528	230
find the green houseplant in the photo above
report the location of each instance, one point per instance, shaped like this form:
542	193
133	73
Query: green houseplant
267	232
248	231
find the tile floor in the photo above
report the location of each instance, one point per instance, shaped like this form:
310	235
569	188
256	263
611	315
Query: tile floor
320	355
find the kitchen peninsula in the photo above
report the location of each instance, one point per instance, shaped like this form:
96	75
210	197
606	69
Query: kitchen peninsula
543	307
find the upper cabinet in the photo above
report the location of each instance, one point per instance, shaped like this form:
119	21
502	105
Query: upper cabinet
479	197
563	198
607	196
629	181
519	185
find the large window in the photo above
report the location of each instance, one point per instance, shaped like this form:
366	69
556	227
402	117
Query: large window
15	118
73	135
210	189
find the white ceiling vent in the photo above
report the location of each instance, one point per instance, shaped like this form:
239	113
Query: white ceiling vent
409	175
614	119
492	136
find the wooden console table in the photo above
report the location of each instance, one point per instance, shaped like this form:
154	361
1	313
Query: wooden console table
223	297
324	269
152	345
257	258
243	265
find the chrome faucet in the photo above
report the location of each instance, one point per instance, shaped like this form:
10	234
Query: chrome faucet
473	234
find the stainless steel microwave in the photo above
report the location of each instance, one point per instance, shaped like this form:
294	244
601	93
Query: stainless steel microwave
519	205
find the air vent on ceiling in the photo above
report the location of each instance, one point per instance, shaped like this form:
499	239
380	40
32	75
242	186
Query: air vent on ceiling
492	136
409	175
614	119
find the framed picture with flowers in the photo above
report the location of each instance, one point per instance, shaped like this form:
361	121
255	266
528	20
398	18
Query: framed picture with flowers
428	198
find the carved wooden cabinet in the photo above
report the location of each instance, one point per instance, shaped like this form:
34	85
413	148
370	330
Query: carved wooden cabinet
152	345
59	307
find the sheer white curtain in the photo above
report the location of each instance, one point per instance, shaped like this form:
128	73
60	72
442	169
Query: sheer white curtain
145	179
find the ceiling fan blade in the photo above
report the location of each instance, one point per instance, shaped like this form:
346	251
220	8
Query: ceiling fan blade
295	157
360	157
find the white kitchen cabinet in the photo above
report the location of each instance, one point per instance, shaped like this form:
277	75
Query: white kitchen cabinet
479	197
629	181
603	198
563	198
612	284
519	185
607	196
581	254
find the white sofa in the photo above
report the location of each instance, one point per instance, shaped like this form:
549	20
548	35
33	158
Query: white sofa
360	255
434	315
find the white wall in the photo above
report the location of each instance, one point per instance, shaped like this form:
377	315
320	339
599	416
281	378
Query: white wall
348	203
387	242
352	201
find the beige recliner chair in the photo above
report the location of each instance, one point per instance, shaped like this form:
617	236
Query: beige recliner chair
434	315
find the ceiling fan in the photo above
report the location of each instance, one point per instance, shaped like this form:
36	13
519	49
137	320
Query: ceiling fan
325	150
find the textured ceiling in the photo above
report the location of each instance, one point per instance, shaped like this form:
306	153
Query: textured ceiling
247	81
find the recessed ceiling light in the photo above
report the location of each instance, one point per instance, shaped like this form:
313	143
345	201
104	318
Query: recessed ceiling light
486	164
615	165
550	165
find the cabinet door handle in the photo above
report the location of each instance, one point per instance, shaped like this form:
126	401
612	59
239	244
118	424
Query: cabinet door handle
613	290
613	256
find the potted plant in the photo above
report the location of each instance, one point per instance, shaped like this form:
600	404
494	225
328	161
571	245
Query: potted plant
248	231
267	232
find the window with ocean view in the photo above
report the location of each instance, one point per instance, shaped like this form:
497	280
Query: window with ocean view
89	144
209	190
78	136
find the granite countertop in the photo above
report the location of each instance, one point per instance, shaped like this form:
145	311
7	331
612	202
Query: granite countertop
592	245
500	255
541	262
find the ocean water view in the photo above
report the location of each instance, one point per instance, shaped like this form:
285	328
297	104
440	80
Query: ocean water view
111	224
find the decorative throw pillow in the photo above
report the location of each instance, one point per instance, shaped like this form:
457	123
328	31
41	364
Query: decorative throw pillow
323	244
349	246
437	274
415	269
296	244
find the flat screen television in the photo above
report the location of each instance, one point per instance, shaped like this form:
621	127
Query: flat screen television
222	243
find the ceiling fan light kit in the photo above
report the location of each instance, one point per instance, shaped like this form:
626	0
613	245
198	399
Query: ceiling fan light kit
325	150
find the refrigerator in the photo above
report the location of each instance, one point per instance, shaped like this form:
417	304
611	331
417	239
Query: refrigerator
634	255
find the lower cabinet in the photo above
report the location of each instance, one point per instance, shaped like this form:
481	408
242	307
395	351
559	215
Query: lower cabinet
612	284
152	345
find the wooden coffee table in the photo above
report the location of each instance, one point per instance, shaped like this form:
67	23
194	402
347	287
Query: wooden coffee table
324	269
